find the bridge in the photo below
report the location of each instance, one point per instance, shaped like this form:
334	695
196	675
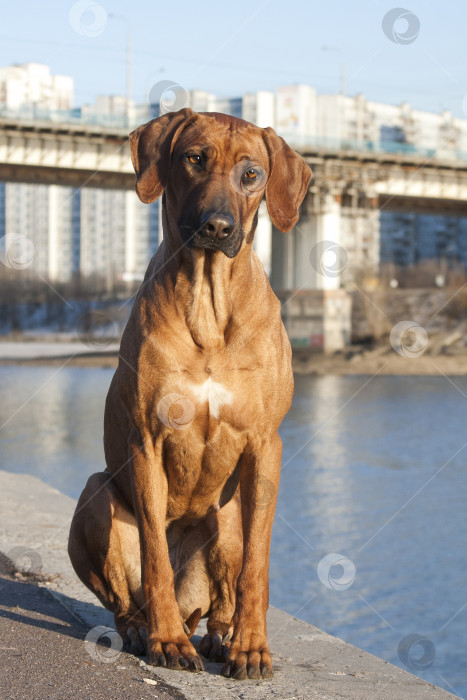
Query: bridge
350	179
352	184
351	187
70	154
65	149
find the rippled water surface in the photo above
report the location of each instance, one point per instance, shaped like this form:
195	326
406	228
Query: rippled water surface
374	473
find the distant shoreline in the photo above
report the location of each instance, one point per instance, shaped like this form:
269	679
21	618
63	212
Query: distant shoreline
353	361
375	362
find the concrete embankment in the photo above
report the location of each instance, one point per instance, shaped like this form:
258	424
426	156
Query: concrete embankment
445	354
51	620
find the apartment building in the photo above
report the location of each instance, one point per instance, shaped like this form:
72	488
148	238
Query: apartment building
354	121
110	234
32	86
105	235
385	236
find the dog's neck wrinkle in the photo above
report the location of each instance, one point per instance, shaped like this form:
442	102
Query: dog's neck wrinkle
208	311
208	288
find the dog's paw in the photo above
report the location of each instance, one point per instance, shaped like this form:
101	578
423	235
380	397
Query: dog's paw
176	656
134	634
243	665
215	647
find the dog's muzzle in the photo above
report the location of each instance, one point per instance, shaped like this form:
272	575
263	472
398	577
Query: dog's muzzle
217	226
214	231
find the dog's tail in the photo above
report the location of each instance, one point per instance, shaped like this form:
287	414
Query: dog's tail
192	622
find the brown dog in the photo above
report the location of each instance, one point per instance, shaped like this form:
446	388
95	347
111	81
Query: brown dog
179	525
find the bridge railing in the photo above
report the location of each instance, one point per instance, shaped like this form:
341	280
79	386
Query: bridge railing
301	142
32	113
304	143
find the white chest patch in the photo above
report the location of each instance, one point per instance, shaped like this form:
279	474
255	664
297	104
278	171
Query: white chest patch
214	393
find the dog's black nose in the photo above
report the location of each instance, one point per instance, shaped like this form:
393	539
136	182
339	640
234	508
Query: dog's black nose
216	225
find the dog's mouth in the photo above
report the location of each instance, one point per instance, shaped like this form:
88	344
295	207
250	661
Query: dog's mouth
194	237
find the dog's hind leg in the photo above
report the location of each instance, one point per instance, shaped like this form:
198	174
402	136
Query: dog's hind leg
206	558
224	566
105	552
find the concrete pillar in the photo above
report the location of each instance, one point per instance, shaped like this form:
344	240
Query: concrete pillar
161	228
53	271
314	259
263	238
325	255
337	320
130	232
317	320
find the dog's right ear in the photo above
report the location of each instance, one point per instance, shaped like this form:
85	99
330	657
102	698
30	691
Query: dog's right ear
151	145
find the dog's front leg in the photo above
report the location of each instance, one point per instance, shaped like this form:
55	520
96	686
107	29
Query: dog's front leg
249	655
168	644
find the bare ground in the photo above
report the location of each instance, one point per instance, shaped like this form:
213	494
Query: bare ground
381	361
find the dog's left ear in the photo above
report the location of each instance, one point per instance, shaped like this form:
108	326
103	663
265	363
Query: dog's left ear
151	145
287	184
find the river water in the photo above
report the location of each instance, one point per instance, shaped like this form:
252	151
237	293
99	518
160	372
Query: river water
369	541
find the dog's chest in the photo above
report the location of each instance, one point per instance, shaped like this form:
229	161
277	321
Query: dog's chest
197	405
214	394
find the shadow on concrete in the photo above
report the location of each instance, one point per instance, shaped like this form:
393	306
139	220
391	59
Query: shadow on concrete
44	654
19	593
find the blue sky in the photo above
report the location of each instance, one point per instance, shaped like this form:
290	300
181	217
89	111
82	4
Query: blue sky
232	48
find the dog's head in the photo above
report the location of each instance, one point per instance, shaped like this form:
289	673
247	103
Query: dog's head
215	170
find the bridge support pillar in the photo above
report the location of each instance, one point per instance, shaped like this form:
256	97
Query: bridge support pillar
307	270
308	256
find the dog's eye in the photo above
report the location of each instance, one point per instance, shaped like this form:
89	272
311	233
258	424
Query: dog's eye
250	174
194	159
